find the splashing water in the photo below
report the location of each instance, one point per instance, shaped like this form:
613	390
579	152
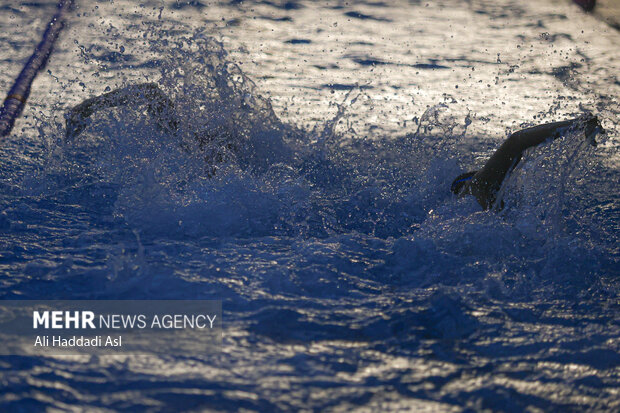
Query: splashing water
350	275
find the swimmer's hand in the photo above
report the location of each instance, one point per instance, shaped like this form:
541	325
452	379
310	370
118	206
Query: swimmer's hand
591	127
75	123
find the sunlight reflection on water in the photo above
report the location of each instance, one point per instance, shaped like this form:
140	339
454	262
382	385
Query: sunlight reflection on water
350	275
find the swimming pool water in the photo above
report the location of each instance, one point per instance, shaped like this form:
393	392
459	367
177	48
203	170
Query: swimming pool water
351	278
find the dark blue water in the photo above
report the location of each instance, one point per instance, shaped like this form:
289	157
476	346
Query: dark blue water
350	276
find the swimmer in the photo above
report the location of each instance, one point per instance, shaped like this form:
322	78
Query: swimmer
161	108
485	183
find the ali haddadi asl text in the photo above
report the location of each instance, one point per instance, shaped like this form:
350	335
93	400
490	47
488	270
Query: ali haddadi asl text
78	341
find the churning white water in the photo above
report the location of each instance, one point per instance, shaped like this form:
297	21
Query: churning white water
319	209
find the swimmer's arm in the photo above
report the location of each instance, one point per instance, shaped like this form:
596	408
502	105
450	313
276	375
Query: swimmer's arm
488	180
158	104
509	154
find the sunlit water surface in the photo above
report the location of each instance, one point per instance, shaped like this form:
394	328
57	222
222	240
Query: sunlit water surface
350	275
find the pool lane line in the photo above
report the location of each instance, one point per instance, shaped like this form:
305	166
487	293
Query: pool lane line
18	95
